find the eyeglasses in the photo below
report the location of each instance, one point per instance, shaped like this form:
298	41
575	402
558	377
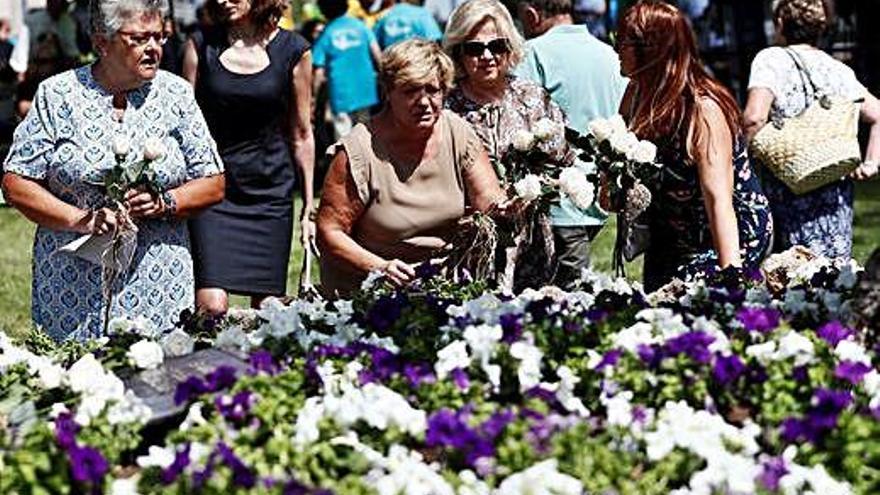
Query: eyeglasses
141	39
498	46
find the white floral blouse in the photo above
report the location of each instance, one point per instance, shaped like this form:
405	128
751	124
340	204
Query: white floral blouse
65	142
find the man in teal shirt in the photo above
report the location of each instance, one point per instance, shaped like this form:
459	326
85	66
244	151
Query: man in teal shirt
582	75
404	21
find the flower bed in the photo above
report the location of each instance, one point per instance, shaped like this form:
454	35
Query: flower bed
716	386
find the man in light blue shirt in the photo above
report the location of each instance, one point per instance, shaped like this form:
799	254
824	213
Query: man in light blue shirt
582	75
346	56
405	21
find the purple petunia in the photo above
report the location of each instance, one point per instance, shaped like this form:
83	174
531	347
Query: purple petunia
222	377
87	465
460	378
261	361
418	374
386	311
822	416
449	429
236	408
511	327
693	344
851	371
189	389
241	474
773	471
181	461
727	369
610	358
758	319
834	332
66	430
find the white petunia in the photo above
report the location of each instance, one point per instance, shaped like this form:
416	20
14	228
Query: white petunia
454	355
529	371
125	486
154	149
542	478
523	140
528	188
795	345
160	457
146	354
50	375
847	350
177	343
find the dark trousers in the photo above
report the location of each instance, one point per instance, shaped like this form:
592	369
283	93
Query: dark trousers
572	245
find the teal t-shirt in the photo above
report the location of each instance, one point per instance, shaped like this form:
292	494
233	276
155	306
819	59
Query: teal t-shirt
582	75
343	51
405	21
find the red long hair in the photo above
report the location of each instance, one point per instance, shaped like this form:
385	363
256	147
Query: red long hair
670	78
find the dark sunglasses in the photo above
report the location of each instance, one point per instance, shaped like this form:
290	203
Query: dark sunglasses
498	46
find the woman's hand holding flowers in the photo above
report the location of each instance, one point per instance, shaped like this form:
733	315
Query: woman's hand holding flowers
398	272
143	203
101	221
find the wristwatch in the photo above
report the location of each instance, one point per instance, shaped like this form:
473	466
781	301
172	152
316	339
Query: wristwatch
170	205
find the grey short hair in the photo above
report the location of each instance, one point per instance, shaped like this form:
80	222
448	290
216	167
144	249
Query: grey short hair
107	16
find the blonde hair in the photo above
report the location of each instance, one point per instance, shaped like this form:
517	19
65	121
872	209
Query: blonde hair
803	21
467	16
415	62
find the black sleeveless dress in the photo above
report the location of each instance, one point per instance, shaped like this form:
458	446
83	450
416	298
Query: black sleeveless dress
243	244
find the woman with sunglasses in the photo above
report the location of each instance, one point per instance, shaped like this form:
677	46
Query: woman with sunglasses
253	81
708	210
485	46
80	121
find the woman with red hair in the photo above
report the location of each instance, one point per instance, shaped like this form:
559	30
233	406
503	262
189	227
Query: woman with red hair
708	210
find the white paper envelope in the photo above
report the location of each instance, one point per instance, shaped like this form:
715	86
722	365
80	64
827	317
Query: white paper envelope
89	247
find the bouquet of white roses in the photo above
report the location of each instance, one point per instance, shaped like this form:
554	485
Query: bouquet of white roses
625	164
114	251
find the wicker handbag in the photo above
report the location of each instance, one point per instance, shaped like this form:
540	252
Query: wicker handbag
816	147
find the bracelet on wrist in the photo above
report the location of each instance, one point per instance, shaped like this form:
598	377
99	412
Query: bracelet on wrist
169	205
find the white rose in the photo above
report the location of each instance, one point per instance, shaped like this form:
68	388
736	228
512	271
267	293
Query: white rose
523	140
545	129
154	149
177	343
121	145
643	152
528	188
618	125
573	182
146	354
623	142
601	129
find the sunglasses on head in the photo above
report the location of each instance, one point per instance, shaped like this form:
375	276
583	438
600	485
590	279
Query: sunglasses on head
498	46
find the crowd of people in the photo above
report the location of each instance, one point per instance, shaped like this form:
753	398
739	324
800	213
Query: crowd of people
414	119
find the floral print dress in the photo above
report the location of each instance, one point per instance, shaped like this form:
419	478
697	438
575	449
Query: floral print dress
522	106
681	242
65	144
821	219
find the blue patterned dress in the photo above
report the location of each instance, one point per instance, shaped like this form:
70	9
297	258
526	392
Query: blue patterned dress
65	143
681	242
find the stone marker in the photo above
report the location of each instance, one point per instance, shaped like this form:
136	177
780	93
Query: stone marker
156	387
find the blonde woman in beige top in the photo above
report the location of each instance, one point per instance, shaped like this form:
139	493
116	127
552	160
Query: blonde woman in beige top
398	185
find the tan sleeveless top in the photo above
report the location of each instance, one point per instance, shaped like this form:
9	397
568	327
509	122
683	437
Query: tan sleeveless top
410	211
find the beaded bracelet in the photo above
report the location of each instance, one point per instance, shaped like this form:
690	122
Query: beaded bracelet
170	205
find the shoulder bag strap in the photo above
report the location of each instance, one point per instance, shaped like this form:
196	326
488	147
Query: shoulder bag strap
804	75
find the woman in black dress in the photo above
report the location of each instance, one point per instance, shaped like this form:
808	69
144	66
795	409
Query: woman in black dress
253	82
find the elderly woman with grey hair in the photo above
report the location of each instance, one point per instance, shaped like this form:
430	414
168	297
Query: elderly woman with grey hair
80	121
